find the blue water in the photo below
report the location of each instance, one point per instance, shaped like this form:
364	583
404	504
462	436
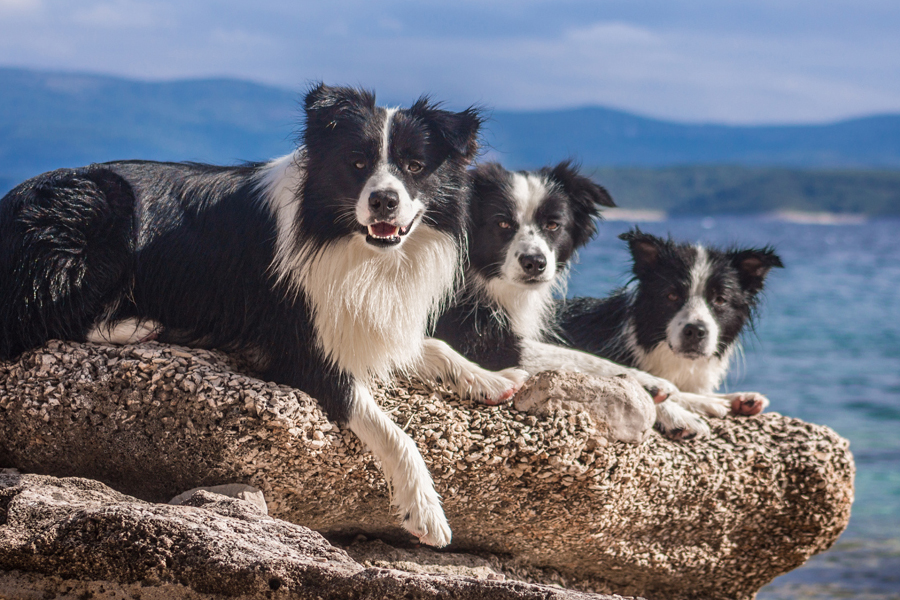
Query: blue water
827	350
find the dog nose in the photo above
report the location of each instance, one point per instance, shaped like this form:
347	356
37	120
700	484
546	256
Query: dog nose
383	203
695	331
533	264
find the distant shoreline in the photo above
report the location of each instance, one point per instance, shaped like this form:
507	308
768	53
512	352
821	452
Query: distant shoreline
636	215
817	218
640	215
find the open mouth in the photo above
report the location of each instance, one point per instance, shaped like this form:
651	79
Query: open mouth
386	234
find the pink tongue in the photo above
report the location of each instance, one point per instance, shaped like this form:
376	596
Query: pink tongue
384	229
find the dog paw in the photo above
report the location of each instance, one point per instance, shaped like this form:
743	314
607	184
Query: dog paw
493	388
659	389
428	523
677	423
746	403
678	435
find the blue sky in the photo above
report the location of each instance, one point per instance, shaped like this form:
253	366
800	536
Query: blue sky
743	61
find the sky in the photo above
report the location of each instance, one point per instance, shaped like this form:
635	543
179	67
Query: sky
720	61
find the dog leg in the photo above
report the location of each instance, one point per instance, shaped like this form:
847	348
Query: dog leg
128	331
678	423
540	356
710	405
441	362
413	493
745	403
719	405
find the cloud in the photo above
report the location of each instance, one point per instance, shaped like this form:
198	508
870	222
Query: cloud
19	7
120	14
749	62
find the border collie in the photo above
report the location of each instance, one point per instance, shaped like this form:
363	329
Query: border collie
330	263
680	319
524	227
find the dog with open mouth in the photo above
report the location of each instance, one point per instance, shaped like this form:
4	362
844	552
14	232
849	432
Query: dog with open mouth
680	319
328	264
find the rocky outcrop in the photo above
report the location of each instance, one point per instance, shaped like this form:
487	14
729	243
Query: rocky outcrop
712	518
77	538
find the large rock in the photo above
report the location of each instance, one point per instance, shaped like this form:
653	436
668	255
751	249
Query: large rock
712	518
77	538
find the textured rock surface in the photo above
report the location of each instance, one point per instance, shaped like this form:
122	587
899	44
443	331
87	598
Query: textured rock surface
619	406
712	518
248	493
71	536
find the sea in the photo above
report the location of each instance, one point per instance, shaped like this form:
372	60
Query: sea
825	349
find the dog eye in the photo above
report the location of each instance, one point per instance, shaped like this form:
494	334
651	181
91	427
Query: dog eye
360	164
551	226
414	166
673	297
719	300
504	224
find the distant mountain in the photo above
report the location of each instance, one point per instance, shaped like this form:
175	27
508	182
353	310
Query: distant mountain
604	137
50	120
715	189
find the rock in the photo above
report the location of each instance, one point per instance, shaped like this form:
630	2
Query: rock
713	518
78	538
619	406
240	491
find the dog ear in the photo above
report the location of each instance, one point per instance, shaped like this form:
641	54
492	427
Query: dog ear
325	104
459	130
587	198
645	249
753	265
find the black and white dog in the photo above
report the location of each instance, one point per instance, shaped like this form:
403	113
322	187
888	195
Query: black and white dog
680	319
523	229
329	263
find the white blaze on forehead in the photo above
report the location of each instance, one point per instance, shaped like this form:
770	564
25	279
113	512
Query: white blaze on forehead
528	191
700	272
384	179
695	309
386	134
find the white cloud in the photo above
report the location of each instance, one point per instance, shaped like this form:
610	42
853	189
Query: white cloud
686	67
14	7
613	33
120	14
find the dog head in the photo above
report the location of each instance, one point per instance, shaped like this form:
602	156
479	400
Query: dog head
525	226
381	172
695	299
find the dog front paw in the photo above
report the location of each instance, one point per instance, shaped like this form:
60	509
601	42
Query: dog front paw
490	387
747	403
678	423
659	389
426	521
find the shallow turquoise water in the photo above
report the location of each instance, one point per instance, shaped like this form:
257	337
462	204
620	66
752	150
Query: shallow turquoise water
827	350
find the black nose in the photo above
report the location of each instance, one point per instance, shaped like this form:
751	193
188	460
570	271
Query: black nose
383	203
533	264
695	331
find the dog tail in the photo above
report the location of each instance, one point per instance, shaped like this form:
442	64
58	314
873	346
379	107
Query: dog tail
66	243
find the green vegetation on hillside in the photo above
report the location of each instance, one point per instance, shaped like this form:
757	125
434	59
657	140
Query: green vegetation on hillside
736	190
